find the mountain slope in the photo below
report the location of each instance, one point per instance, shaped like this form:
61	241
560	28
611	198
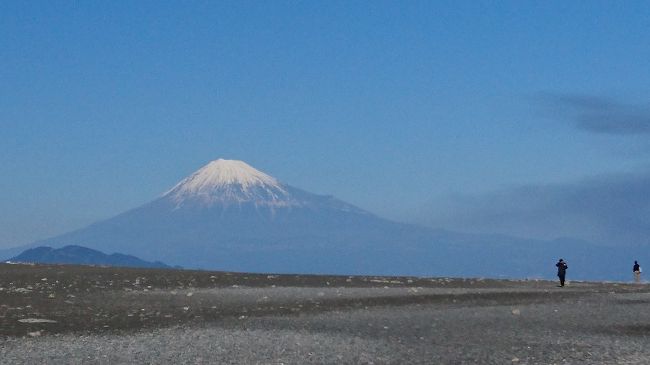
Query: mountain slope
228	215
82	256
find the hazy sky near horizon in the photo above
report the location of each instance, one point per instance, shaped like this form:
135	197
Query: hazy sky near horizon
396	107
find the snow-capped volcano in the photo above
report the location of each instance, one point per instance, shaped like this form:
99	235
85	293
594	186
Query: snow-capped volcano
230	181
229	216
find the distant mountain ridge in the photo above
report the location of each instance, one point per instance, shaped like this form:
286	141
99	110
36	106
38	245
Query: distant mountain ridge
79	255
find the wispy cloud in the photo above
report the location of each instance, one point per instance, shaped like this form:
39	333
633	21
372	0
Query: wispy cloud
598	115
612	209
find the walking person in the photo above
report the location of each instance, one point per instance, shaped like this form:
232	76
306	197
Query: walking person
637	272
561	271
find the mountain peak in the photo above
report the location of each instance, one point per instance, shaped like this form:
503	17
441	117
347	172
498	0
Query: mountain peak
228	180
227	172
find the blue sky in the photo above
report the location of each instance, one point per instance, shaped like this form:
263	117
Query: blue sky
398	107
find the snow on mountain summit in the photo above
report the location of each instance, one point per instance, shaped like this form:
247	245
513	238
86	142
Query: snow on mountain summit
226	172
229	181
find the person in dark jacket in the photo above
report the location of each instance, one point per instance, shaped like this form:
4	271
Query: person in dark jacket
636	269
561	271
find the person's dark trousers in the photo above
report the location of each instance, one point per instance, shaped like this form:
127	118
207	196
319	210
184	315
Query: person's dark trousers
561	279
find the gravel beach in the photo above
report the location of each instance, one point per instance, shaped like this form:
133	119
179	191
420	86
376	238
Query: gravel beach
92	315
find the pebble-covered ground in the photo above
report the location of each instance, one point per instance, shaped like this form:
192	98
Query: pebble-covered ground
86	315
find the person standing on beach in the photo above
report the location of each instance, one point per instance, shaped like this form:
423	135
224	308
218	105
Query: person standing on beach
637	272
561	271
